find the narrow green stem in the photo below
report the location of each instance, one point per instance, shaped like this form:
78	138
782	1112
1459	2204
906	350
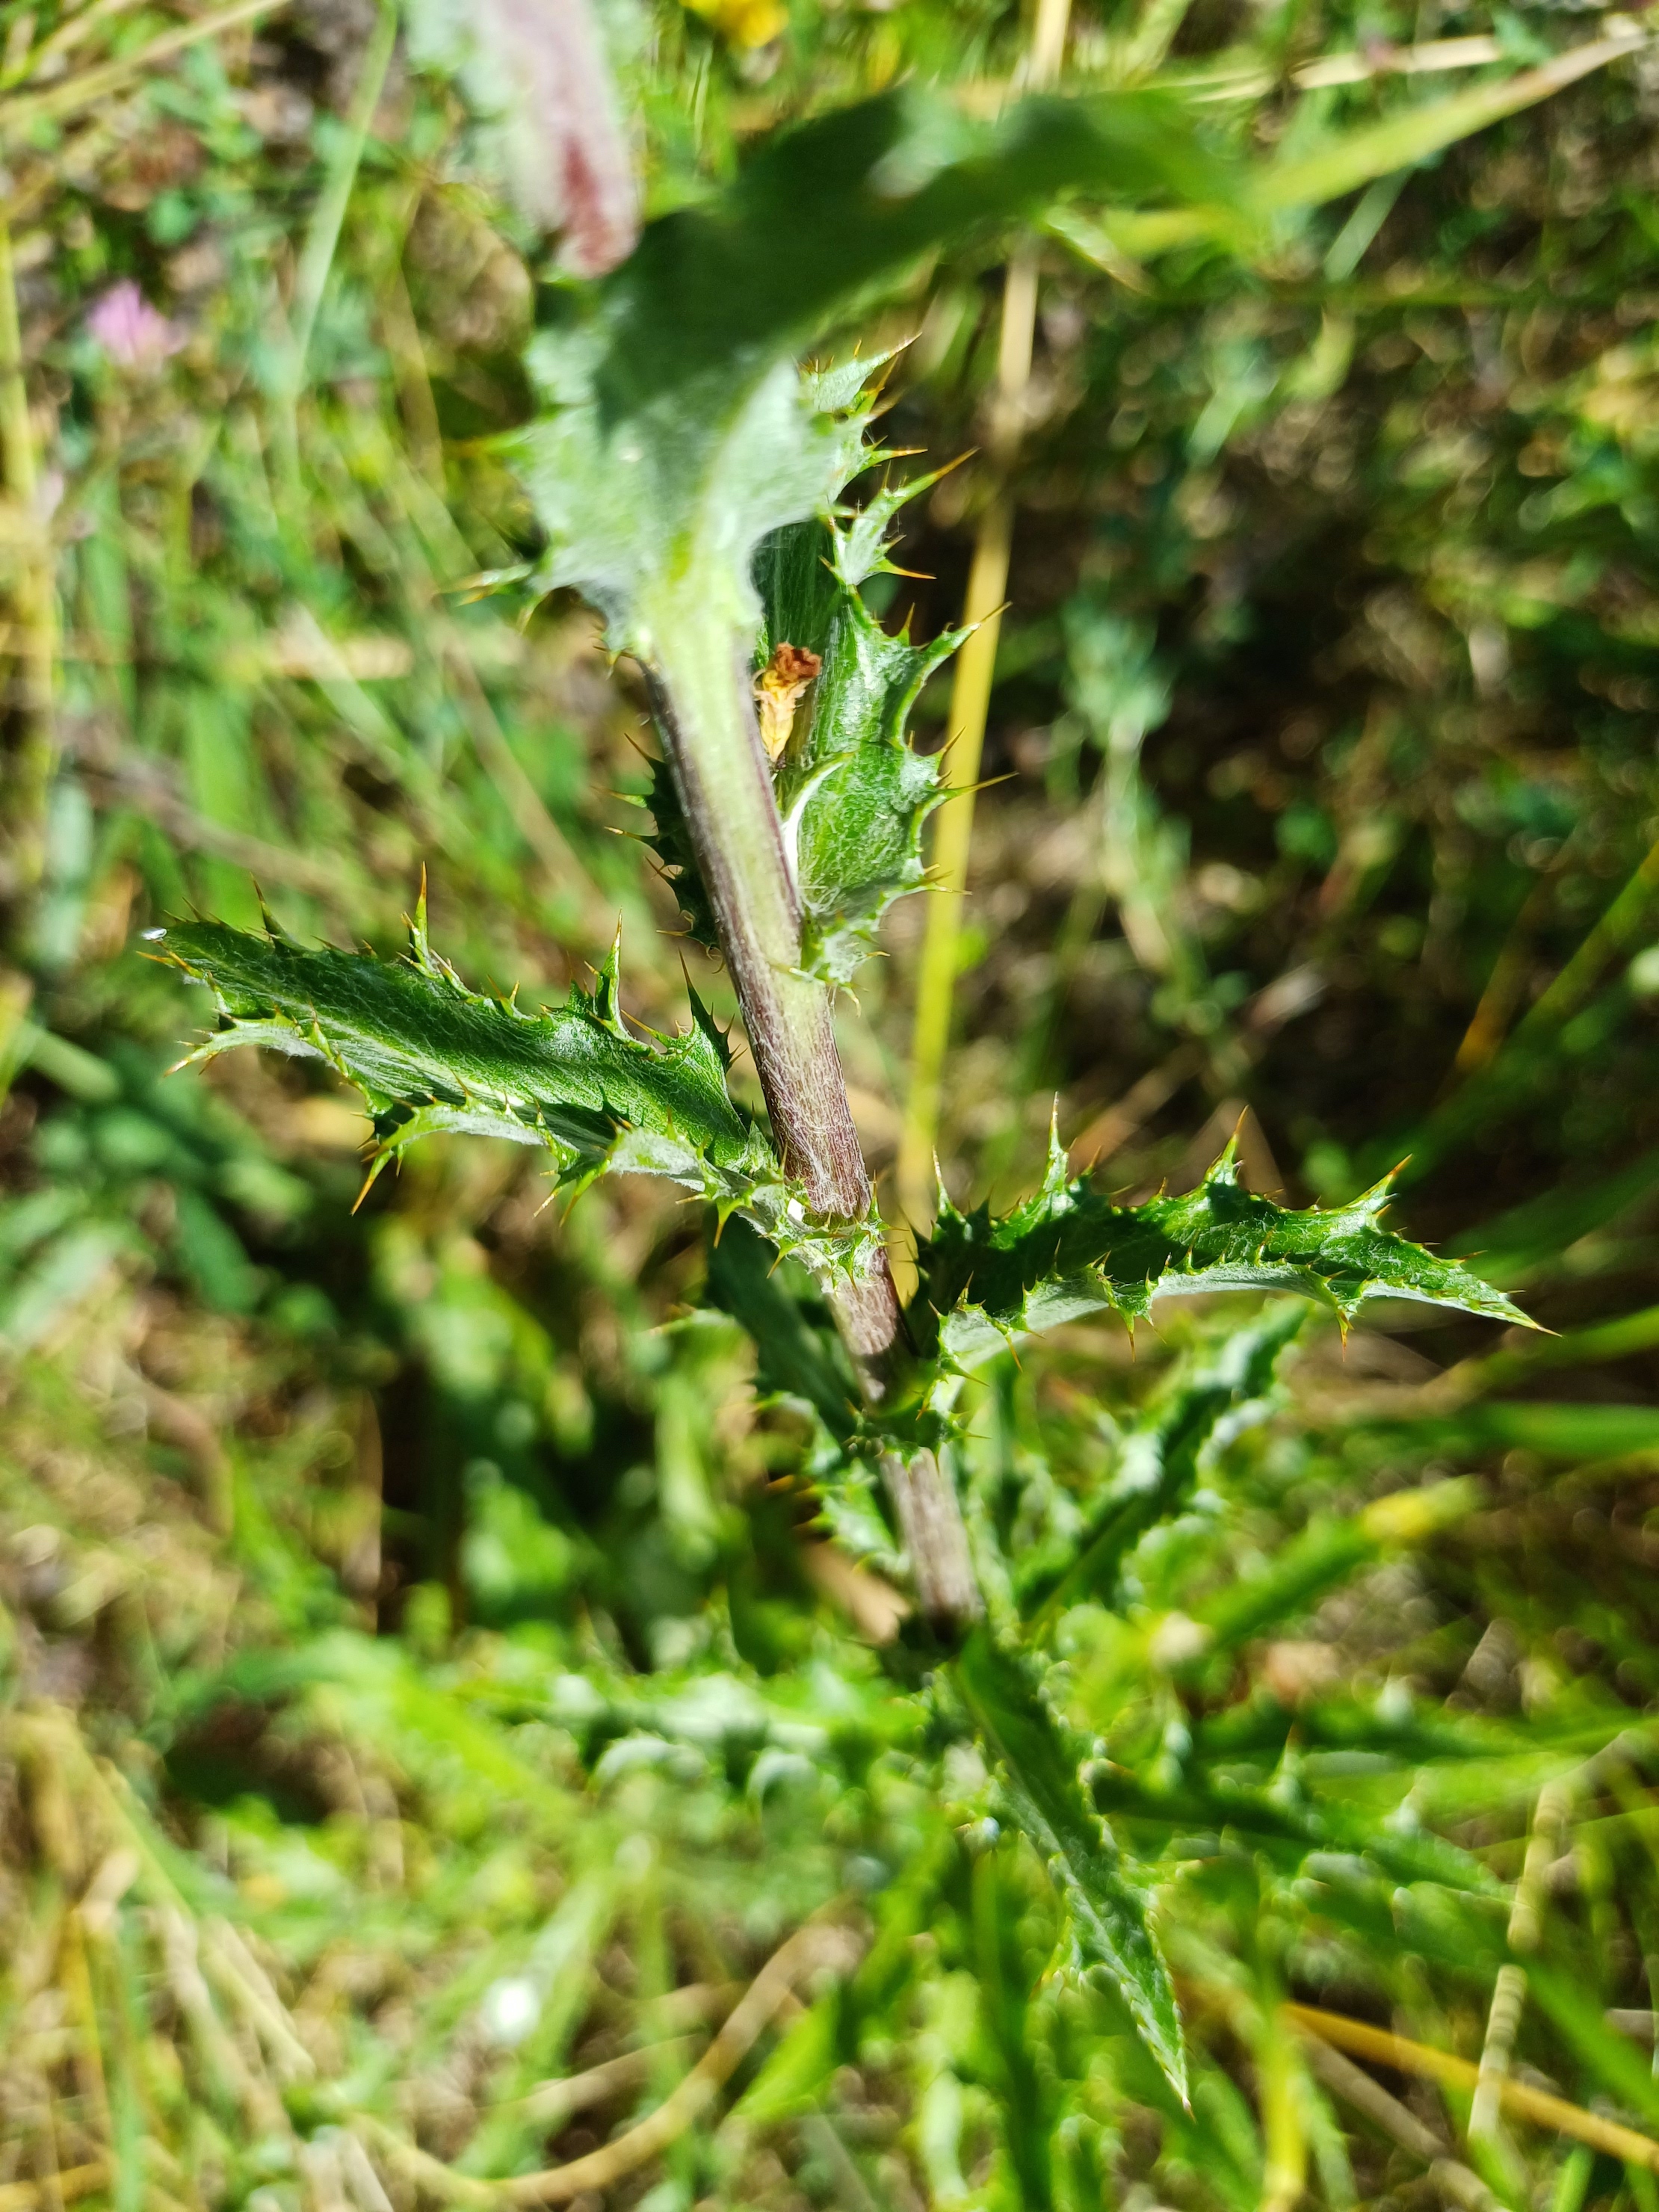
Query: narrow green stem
1452	1123
328	218
323	234
34	594
970	699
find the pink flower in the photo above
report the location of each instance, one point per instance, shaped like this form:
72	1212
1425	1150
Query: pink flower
129	331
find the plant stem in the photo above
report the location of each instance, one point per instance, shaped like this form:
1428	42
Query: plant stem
328	217
1508	1063
1537	2106
322	233
970	699
704	708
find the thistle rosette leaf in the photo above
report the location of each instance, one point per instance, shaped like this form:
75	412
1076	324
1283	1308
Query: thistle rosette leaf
428	1056
1068	1251
1107	1910
1159	1459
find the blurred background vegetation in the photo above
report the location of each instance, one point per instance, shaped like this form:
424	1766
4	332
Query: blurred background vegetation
428	1698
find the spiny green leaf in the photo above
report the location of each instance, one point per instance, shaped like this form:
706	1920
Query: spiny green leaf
669	838
657	514
853	795
1069	1251
800	1354
430	1055
1158	1461
415	1040
1106	1911
1208	1802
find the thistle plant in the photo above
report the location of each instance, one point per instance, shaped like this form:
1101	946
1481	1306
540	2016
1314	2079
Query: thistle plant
694	483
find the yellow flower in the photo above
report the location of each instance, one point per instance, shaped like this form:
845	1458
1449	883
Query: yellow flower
744	22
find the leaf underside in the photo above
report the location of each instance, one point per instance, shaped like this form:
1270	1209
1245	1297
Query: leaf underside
851	198
677	436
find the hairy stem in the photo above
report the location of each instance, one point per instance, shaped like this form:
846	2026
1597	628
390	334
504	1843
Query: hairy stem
703	705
